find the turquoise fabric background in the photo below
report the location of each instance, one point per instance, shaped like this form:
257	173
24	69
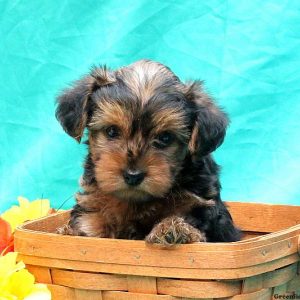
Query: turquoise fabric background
248	53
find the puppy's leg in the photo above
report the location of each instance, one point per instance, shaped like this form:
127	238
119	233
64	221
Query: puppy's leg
215	222
174	230
65	230
93	225
86	224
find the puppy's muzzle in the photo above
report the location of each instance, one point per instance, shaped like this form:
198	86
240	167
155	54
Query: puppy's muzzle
133	178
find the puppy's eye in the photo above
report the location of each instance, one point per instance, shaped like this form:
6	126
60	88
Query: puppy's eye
112	132
163	140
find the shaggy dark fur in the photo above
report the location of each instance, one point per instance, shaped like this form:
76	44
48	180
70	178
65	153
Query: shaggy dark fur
149	173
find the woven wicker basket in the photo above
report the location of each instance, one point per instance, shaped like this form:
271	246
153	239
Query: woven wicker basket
265	265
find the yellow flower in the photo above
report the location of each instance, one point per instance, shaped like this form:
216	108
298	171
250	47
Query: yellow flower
20	283
39	292
16	283
26	211
8	266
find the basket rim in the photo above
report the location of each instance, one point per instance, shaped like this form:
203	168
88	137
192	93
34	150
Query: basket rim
253	240
247	253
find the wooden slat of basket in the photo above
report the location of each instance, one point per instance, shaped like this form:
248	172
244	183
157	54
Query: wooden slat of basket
251	235
142	284
89	281
294	285
41	274
86	295
159	271
264	294
280	289
122	253
66	293
61	292
275	217
252	284
270	279
270	238
198	289
49	223
112	295
280	276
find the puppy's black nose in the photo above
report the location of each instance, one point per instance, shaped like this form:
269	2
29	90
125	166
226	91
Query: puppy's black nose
133	177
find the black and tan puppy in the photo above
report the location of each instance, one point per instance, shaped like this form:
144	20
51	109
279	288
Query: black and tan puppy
148	173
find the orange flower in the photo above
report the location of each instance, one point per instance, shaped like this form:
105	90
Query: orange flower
6	237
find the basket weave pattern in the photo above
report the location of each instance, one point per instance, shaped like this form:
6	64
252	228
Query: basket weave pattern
66	284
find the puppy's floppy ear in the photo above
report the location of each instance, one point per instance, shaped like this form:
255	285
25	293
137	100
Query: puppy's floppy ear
74	102
210	121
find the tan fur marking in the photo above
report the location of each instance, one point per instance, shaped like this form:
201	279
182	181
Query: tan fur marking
109	171
159	178
193	143
145	78
170	119
111	113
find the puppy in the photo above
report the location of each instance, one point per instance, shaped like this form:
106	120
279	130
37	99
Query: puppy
148	173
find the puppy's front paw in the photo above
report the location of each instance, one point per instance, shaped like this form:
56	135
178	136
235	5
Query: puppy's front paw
174	230
65	230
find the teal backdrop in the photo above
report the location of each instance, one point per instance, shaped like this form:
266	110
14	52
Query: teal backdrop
247	52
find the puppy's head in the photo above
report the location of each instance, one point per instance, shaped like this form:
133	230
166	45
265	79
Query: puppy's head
143	123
